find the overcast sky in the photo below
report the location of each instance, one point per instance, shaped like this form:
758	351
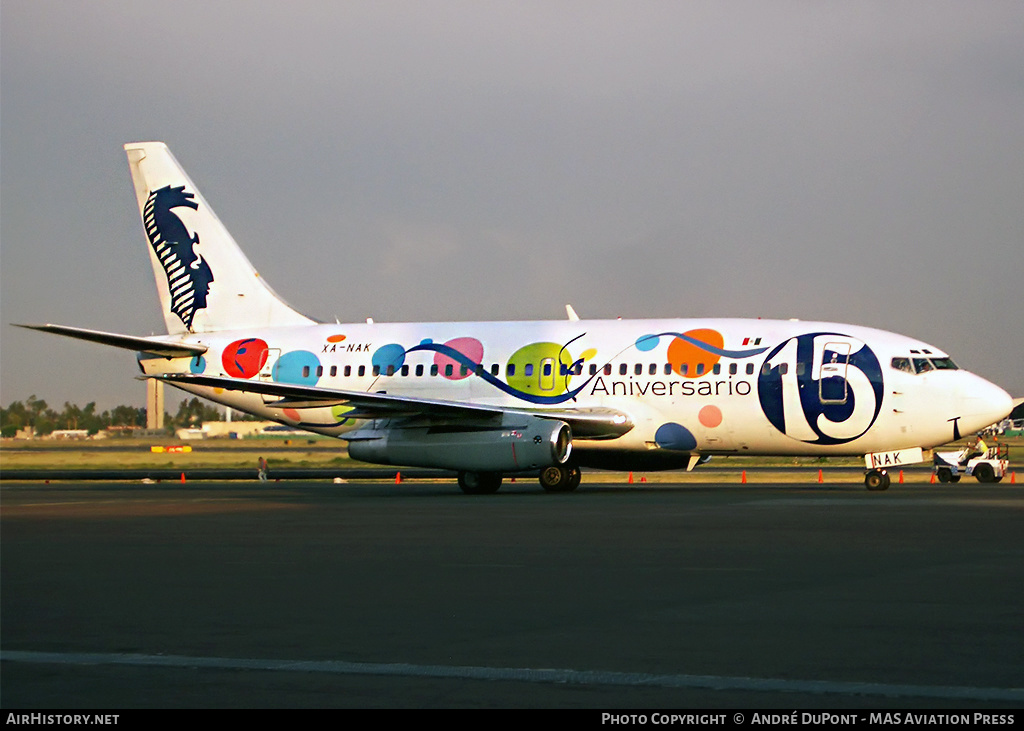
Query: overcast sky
859	162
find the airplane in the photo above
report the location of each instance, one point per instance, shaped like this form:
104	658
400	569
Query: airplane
490	399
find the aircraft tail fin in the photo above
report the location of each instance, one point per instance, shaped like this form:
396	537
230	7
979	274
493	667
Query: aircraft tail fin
204	280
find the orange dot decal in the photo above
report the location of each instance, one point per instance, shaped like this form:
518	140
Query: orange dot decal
689	359
710	416
335	338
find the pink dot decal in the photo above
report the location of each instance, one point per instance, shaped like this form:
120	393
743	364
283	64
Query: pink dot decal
291	414
472	348
710	416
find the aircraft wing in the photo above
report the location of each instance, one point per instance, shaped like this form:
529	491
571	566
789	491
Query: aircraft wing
129	342
585	423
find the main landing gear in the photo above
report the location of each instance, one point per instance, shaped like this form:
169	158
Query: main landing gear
876	480
558	478
479	483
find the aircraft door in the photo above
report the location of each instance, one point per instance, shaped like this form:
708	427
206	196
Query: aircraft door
547	374
267	372
833	362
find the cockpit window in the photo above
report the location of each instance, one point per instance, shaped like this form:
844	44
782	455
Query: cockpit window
902	364
923	365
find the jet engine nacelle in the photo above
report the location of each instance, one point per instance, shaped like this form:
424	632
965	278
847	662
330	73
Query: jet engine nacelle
522	443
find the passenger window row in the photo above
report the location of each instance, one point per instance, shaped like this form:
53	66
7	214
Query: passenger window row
528	369
908	365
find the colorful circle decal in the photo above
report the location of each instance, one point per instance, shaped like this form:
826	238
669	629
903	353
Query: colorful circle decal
675	436
647	342
472	348
244	358
710	416
541	367
298	367
389	355
338	413
689	359
197	364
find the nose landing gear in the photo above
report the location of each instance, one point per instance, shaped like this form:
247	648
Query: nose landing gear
876	480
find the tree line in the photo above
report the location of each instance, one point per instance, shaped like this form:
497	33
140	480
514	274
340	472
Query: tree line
36	413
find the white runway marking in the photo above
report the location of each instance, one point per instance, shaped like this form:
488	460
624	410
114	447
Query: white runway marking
523	675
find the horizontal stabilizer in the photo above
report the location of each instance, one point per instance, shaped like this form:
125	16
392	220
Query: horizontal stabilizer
128	342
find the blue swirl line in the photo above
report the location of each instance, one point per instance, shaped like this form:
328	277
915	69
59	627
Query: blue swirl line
710	348
571	394
500	385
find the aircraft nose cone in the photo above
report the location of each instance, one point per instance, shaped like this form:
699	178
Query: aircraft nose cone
984	403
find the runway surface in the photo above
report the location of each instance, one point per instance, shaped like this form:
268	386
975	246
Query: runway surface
380	595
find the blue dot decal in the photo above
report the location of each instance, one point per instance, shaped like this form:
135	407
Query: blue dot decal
197	364
647	342
297	367
675	436
389	355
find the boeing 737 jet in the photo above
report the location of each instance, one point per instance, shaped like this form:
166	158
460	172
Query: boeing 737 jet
488	399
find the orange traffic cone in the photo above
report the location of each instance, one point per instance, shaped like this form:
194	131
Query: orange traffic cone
933	478
821	477
398	477
901	477
643	479
183	477
743	477
630	478
1013	477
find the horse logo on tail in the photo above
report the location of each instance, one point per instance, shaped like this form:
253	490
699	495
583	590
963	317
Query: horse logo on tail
188	274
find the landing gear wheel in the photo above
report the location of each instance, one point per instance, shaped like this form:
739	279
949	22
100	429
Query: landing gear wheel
876	480
984	473
559	478
479	483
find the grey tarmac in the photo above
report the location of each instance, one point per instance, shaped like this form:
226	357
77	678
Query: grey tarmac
414	595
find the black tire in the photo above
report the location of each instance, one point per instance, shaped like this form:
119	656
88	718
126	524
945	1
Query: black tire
876	481
944	474
559	478
984	473
479	483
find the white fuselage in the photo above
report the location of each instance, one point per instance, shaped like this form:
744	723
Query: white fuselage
708	386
